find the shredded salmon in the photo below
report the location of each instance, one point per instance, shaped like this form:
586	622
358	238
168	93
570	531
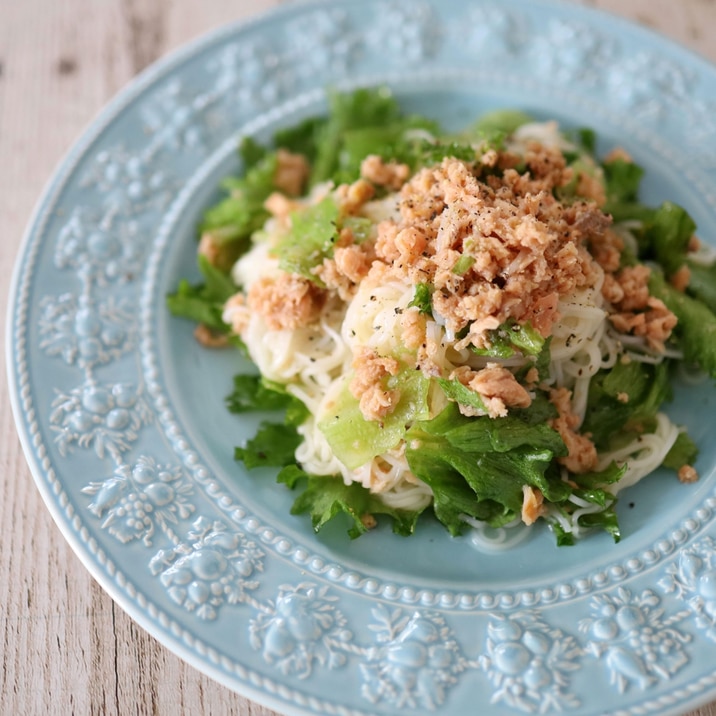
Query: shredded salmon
292	171
388	174
291	302
582	454
532	504
528	248
368	384
497	387
687	474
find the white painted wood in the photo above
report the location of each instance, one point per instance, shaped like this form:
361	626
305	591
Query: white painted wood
66	648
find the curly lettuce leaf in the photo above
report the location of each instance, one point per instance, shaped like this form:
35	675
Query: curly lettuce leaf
584	138
203	302
253	392
462	394
426	154
702	283
696	328
237	216
352	111
274	445
302	138
326	497
486	486
478	466
666	236
453	497
622	181
251	152
623	399
500	121
499	435
370	121
594	480
665	233
355	440
512	337
423	298
394	142
683	452
606	520
313	234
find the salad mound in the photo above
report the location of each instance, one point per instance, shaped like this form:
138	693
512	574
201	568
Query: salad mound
479	325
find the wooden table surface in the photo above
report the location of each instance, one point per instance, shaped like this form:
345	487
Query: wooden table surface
66	647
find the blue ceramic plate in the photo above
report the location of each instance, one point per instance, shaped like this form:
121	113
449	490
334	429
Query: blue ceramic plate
121	413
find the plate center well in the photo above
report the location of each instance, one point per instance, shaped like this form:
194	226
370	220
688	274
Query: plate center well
196	380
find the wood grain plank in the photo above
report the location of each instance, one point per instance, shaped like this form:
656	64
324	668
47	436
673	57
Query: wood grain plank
146	31
689	23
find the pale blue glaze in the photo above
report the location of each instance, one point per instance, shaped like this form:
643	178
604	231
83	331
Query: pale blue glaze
122	419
